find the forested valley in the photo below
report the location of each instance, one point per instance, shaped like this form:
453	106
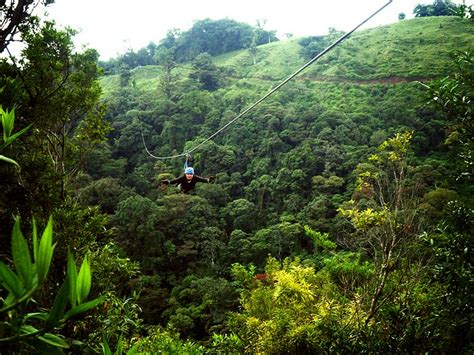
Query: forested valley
340	219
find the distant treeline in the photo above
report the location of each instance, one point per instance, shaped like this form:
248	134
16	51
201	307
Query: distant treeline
205	36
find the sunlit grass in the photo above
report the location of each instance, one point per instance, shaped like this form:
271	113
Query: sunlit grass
411	49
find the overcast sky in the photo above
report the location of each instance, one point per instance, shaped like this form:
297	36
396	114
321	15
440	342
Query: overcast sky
113	26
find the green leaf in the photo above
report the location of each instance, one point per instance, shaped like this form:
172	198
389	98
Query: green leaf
106	348
8	121
28	329
133	350
10	281
45	252
83	307
12	138
72	278
43	316
119	349
83	281
21	257
54	340
11	298
35	241
59	306
8	160
41	348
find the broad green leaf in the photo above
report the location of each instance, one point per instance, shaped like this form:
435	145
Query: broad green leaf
11	298
21	257
59	306
8	160
12	138
83	281
28	329
10	281
54	340
10	121
72	278
45	251
83	307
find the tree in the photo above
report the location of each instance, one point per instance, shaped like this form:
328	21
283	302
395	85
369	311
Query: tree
450	247
106	193
55	90
61	98
260	36
198	305
383	213
125	75
15	14
454	96
166	57
205	72
312	46
291	308
137	220
438	8
217	37
241	214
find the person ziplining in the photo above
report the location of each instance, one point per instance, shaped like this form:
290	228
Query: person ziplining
187	181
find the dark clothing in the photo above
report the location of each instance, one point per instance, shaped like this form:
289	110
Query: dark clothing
186	185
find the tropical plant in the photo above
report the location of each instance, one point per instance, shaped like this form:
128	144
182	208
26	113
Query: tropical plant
8	122
23	324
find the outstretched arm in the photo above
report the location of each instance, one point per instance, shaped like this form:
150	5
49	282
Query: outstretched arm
175	181
178	180
203	179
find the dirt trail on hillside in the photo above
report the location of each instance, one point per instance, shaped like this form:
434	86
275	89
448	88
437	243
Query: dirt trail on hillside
387	80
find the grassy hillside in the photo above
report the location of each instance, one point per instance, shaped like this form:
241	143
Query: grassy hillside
417	48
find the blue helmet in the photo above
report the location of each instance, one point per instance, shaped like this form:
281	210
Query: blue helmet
189	170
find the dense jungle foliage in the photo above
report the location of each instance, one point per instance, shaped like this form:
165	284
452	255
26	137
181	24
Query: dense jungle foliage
341	218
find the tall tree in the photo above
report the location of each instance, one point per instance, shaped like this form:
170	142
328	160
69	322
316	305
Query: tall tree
56	90
384	211
63	95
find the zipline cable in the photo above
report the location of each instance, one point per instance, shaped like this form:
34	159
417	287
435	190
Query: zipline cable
252	106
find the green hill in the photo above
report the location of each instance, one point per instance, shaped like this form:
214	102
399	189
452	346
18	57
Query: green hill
409	49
